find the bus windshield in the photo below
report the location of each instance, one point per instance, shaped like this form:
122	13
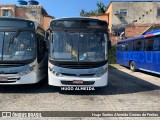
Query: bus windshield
17	48
78	46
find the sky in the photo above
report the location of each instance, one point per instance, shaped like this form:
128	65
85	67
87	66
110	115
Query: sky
65	8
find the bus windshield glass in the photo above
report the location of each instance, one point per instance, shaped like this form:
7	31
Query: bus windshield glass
78	46
17	47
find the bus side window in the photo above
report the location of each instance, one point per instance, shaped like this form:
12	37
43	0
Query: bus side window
149	44
123	47
156	46
130	46
142	46
138	45
1	42
127	46
118	47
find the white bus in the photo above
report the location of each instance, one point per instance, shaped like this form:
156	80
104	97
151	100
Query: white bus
23	58
78	52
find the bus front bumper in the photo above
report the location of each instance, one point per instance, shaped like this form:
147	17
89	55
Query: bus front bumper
30	78
70	81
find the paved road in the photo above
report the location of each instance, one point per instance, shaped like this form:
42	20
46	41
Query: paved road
127	91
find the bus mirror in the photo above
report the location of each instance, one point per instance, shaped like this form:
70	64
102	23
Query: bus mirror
109	44
46	36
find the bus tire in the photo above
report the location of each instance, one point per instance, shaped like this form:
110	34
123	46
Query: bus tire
132	66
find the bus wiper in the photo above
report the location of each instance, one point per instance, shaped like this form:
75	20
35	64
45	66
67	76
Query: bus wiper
69	39
67	34
13	37
100	37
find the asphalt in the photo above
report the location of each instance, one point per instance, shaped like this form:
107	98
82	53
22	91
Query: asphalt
126	91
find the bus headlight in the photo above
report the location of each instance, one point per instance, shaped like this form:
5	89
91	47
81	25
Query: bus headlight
30	69
57	73
101	73
50	69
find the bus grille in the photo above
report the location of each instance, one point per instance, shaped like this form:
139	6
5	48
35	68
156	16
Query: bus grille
8	72
10	80
67	74
71	83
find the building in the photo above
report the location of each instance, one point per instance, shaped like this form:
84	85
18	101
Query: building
131	14
130	18
101	17
139	29
7	10
32	12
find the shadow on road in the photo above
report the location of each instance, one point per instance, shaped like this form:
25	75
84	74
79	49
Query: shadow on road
41	87
119	83
140	71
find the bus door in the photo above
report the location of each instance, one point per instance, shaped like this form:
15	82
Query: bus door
152	54
156	54
41	57
121	54
139	54
148	54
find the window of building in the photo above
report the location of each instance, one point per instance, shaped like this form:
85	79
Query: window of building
34	13
123	12
6	13
158	12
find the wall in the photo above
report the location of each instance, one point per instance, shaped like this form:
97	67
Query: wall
143	12
101	17
20	12
110	14
135	30
46	21
114	39
139	29
31	12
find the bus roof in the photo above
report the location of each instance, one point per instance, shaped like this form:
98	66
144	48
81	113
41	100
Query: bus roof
14	18
21	19
148	34
78	23
78	18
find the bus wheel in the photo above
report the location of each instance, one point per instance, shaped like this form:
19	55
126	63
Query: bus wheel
132	66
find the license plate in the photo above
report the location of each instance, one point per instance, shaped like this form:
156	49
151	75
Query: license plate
78	81
3	79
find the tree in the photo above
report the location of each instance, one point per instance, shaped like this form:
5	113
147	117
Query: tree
83	13
101	10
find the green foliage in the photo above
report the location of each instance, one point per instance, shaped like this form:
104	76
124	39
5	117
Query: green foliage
101	10
112	55
87	14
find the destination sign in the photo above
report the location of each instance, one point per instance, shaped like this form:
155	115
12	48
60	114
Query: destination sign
79	24
16	23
